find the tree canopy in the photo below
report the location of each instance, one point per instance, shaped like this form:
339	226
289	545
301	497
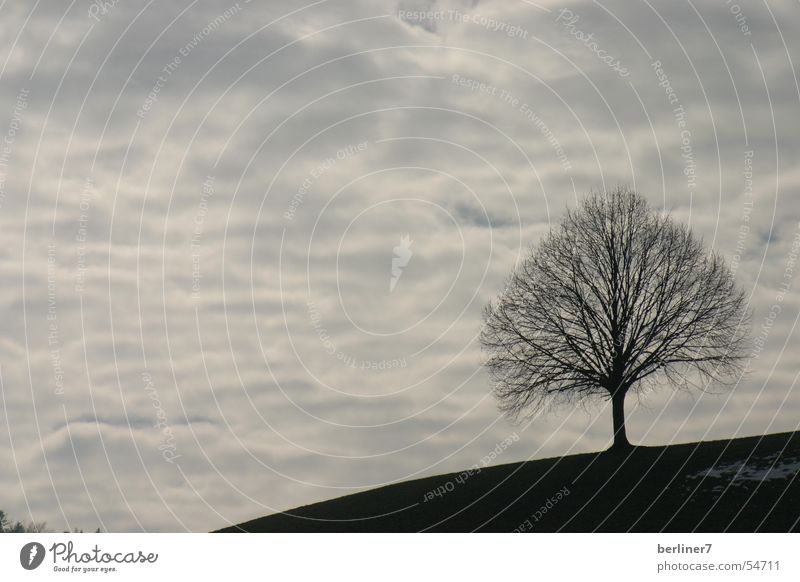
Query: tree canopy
616	298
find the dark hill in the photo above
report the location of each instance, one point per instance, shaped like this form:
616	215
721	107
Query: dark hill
740	485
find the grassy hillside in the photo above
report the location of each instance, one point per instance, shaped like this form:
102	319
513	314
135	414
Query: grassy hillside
747	484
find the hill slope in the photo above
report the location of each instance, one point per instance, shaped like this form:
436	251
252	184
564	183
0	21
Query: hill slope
747	484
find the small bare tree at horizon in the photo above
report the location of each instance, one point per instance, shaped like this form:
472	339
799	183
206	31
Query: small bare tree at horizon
617	298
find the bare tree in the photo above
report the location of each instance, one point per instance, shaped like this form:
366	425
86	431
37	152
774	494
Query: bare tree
618	298
8	526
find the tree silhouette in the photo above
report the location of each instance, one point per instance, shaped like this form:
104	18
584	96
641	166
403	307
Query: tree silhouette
8	526
616	299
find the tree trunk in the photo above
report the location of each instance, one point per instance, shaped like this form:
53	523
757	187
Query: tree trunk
618	414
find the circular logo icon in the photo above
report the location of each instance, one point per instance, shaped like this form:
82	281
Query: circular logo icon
31	555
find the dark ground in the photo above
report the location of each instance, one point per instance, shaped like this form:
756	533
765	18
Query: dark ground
651	489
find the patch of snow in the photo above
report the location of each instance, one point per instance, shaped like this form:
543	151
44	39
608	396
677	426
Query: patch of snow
754	469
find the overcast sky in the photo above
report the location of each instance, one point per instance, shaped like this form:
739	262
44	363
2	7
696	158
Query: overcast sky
245	247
